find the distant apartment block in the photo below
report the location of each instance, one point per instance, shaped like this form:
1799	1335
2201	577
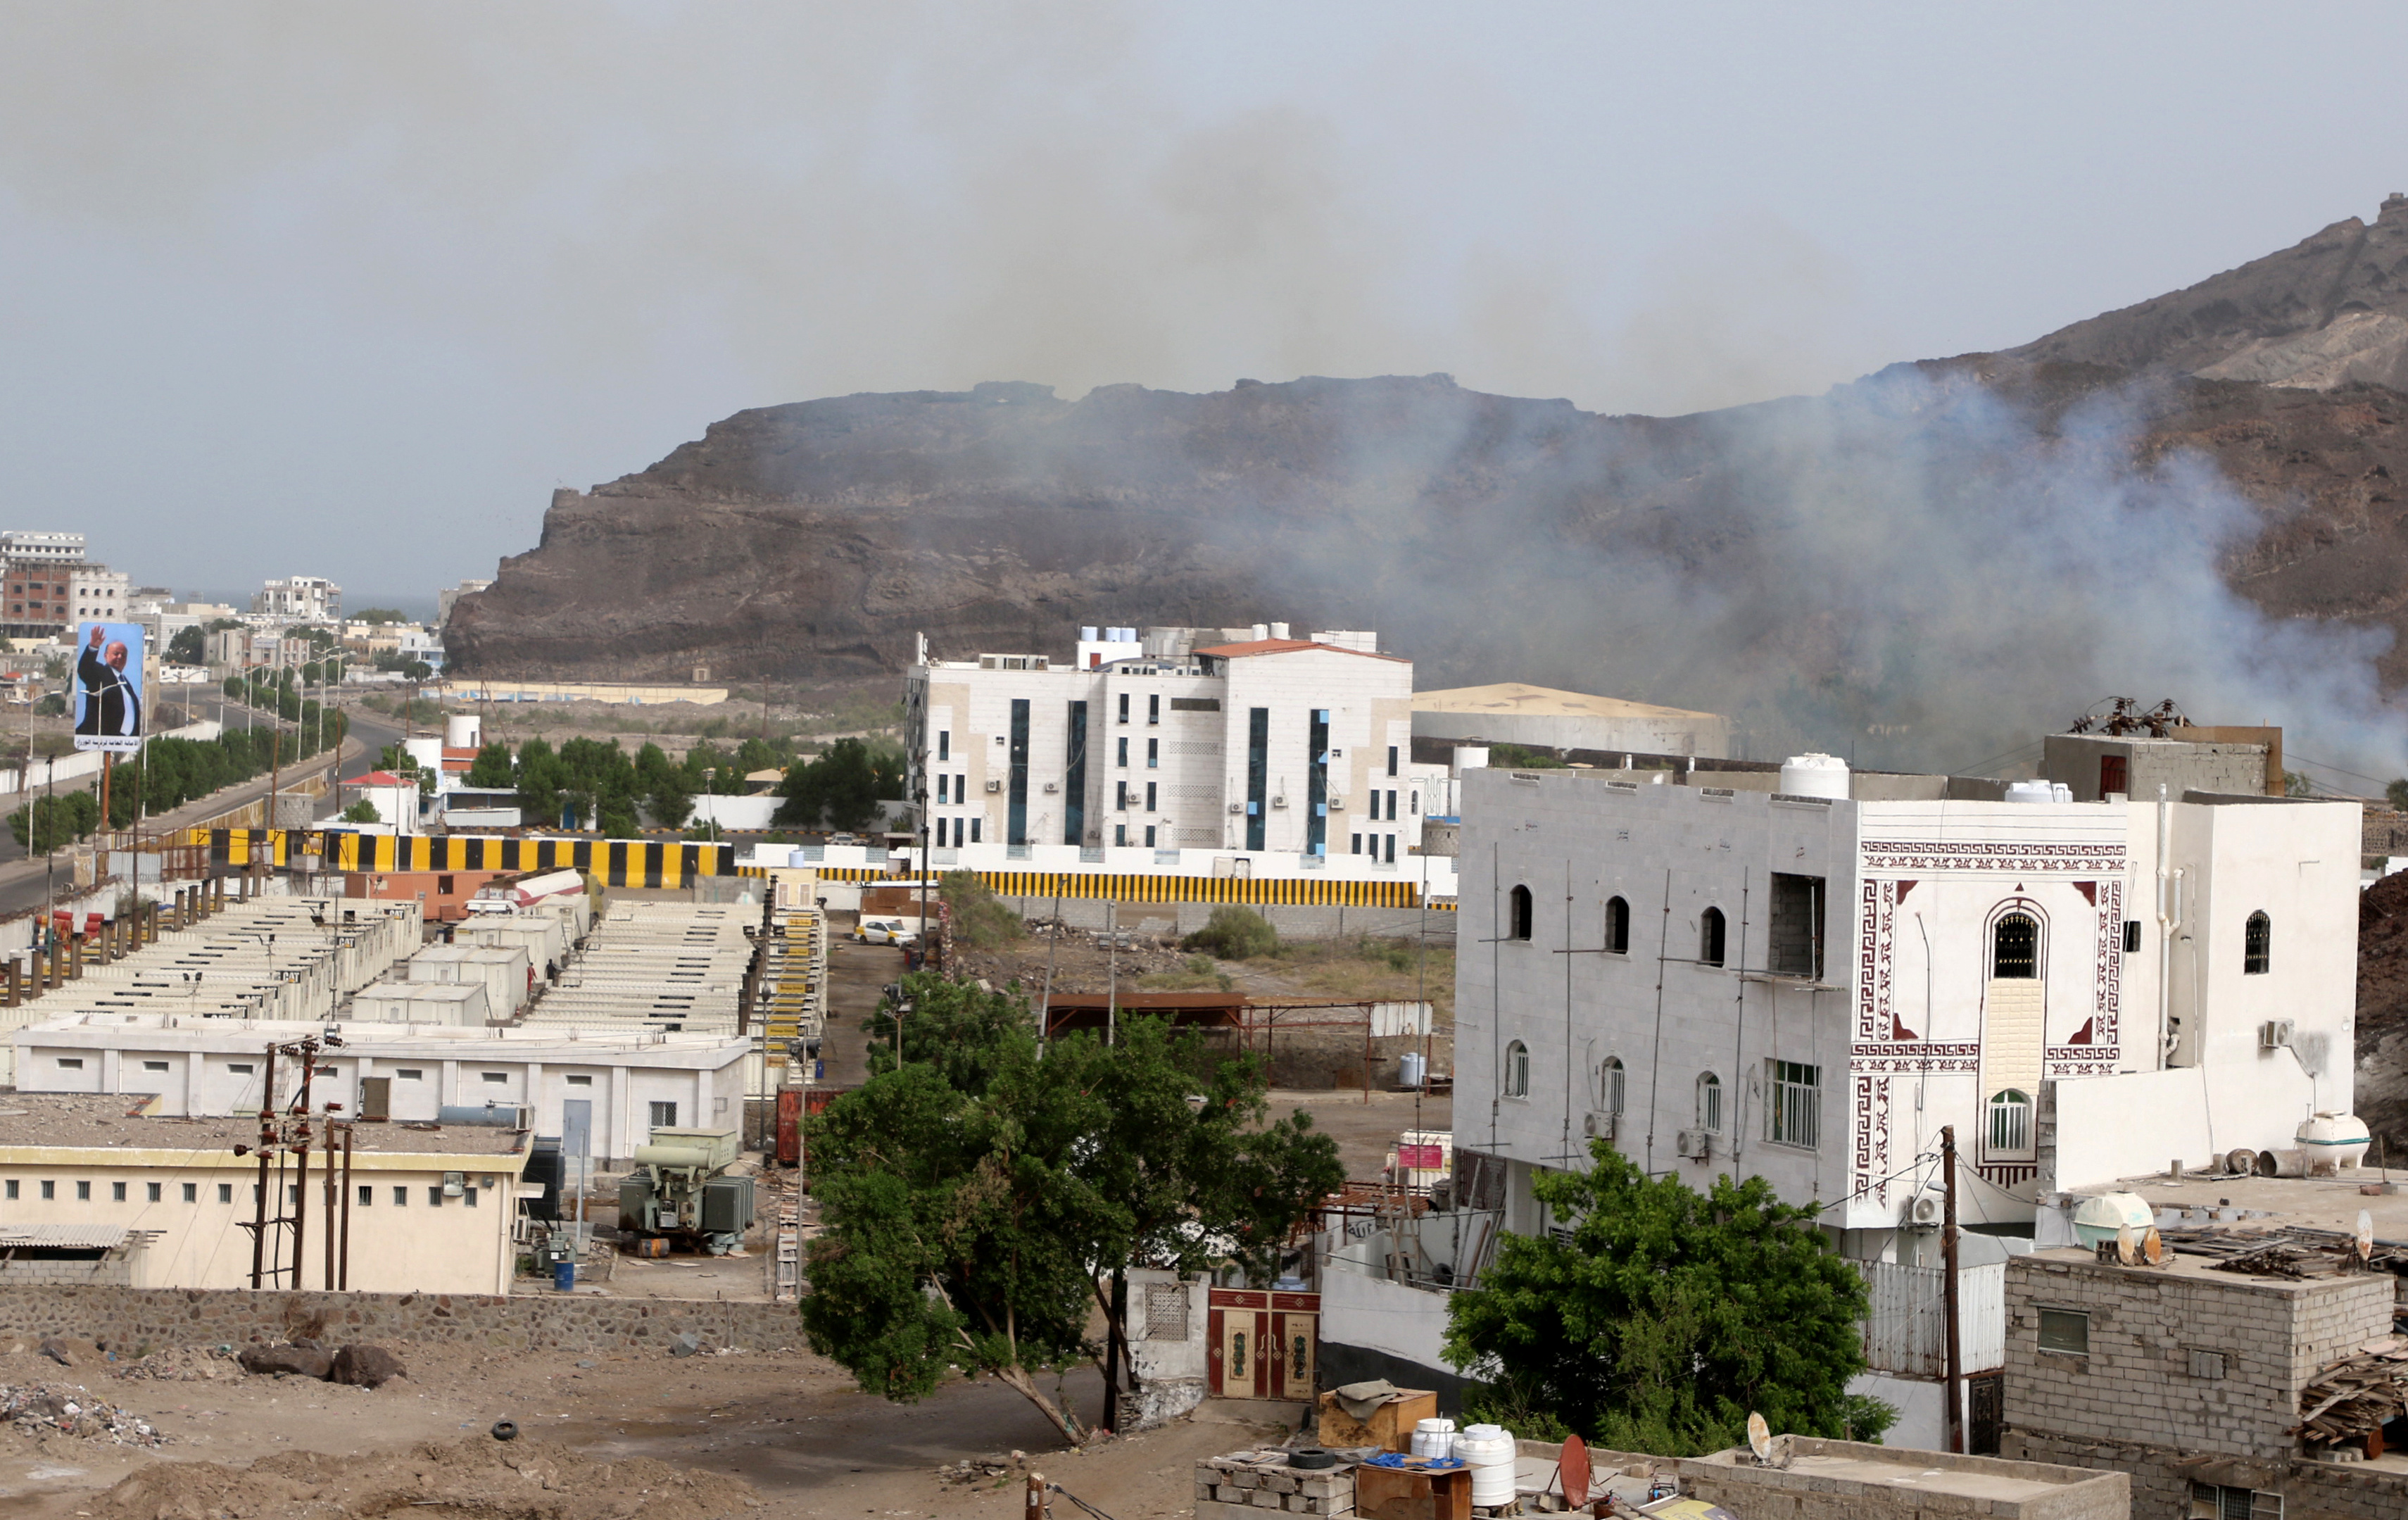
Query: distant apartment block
97	593
45	547
1226	738
300	598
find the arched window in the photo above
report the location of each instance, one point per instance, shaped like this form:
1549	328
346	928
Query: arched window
1519	901
2010	1125
1517	1069
1710	1103
2256	945
1710	937
1617	926
2014	948
1611	1081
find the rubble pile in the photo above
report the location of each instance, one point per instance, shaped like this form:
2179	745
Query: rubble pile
182	1364
39	1409
982	1471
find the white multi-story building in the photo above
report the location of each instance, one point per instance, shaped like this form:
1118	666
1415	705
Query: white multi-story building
1240	739
97	594
300	598
1807	987
51	547
449	596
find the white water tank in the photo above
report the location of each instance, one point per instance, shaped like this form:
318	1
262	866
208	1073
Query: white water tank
1488	1450
2038	792
1434	1438
1813	776
464	731
2333	1140
2103	1217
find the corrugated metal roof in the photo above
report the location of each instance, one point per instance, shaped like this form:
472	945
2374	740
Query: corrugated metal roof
70	1237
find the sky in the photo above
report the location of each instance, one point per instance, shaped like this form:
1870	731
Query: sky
348	291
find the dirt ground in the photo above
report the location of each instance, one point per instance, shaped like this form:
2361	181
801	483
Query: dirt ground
787	1425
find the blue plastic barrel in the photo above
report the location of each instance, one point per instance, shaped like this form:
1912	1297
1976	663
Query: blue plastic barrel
563	1276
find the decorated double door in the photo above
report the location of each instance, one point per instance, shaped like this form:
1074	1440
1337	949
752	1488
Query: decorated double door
1263	1344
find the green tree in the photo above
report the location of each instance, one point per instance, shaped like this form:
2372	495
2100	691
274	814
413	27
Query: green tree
1520	757
1666	1317
981	1195
362	811
380	615
2397	795
1235	934
981	919
840	788
492	766
189	647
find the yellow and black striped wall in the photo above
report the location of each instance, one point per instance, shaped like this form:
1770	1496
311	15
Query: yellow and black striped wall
620	863
1138	888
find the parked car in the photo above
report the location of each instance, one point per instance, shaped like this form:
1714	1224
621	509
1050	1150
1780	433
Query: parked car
887	929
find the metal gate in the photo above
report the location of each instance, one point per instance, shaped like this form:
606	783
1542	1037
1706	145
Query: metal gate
1986	1407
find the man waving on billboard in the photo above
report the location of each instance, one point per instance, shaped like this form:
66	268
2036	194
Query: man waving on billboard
108	687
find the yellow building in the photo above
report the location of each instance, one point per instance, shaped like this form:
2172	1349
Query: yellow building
430	1208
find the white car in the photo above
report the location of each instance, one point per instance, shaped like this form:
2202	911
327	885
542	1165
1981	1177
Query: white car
887	929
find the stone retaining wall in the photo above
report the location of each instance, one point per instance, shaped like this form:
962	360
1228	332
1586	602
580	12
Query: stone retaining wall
193	1317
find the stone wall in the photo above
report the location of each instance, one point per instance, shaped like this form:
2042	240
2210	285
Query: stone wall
536	1322
114	1268
2162	1479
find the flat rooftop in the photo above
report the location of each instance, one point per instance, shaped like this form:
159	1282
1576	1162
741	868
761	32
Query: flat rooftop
85	1121
165	1029
2266	1205
1826	1467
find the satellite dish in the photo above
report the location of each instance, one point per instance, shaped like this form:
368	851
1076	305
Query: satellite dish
2128	1250
1759	1438
2365	1236
1575	1472
2153	1248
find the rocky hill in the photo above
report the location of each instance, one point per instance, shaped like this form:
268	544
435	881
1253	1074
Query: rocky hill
1830	565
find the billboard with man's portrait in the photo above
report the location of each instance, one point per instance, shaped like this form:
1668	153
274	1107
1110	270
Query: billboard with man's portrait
108	699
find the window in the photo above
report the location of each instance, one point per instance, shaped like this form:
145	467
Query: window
1123	707
1796	940
1120	797
974	830
1149	836
368	1196
1148	795
580	1080
1517	1069
494	1076
1119	835
71	1063
241	1069
2010	1127
1375	805
1153	754
1519	900
154	1066
469	1196
1154	709
1617	926
225	1192
2115	773
663	1115
443	885
2208	1501
2066	1330
117	1192
1165	1312
1794	1114
1355	845
49	1189
1392	849
192	1192
2131	937
13	1190
1710	937
1611	1083
83	1192
435	1196
401	1197
1710	1103
1124	750
944	791
2207	1364
1392	759
944	744
2014	948
2256	945
410	1073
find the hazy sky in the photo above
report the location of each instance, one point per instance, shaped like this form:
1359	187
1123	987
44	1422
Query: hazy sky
347	289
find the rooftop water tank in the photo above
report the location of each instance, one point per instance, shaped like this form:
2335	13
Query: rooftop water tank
1815	776
464	731
2103	1217
2038	792
2332	1140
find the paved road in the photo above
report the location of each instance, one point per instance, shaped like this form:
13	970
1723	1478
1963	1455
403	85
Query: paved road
28	883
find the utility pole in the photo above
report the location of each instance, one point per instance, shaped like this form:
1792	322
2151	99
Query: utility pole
1956	1365
1112	972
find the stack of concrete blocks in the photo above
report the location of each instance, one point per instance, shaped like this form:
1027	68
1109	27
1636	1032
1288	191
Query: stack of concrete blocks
1236	1488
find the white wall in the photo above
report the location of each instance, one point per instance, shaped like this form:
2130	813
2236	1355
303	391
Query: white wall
1378	1315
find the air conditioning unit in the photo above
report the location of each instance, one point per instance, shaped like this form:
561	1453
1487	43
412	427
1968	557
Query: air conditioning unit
1695	1144
1598	1126
1279	802
1924	1211
2275	1034
1052	786
1237	807
1337	802
995	786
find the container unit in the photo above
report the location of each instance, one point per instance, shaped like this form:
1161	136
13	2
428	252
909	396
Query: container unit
507	977
461	1004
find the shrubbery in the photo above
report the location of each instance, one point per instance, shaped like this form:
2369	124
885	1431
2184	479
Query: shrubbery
1235	934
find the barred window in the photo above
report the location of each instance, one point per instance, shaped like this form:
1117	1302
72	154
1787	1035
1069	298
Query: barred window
2256	945
1794	1117
1165	1312
1710	1103
1517	1071
2014	948
2011	1127
1612	1082
1617	926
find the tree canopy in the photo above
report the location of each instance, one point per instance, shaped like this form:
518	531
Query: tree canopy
841	787
983	1192
1666	1317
